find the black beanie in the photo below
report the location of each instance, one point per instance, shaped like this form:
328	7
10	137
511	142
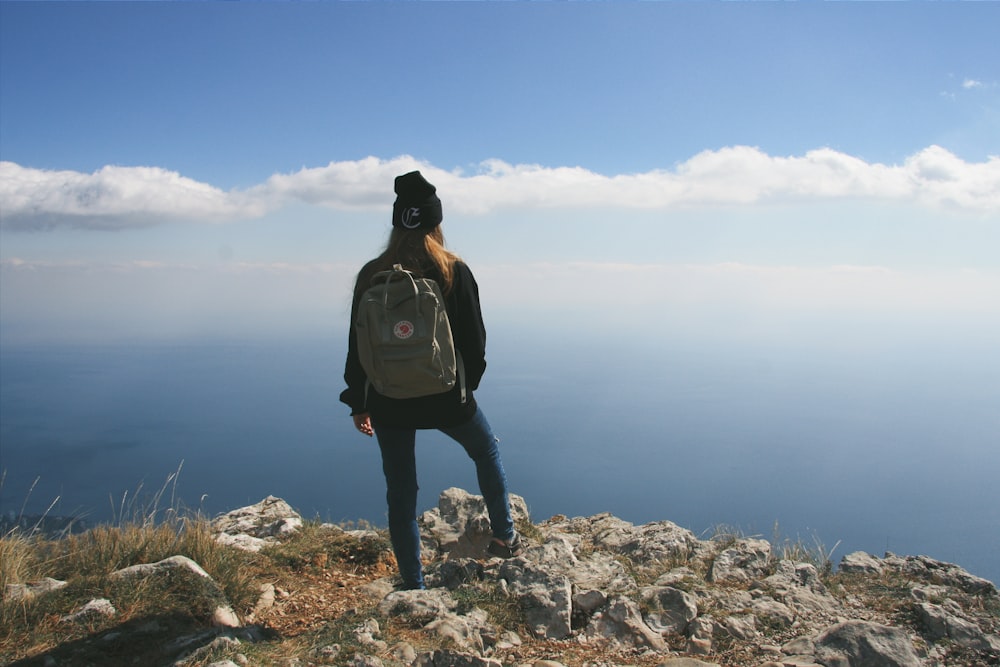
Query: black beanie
416	207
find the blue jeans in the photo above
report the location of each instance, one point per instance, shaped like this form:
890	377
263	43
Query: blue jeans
400	468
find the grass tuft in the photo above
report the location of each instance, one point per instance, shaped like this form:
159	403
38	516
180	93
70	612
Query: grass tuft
796	550
316	544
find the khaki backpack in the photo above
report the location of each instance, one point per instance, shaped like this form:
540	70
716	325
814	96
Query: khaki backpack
404	337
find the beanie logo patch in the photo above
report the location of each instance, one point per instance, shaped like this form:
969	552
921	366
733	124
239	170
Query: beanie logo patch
410	218
403	329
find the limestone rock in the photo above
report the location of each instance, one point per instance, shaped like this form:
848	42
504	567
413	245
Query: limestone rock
460	525
741	626
773	613
922	568
546	597
622	623
465	631
864	644
172	563
94	609
264	602
746	560
651	544
585	603
222	616
799	645
798	586
252	527
860	562
31	590
423	606
599	571
366	634
670	609
225	617
942	624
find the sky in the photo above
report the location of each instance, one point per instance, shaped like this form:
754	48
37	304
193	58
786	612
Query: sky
186	170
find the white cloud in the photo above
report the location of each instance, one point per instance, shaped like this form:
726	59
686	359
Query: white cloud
971	83
112	198
363	183
120	197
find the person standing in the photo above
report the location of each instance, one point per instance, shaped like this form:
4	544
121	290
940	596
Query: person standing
417	244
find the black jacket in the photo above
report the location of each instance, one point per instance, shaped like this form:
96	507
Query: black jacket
438	410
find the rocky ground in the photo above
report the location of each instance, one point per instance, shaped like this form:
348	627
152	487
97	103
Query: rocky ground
594	591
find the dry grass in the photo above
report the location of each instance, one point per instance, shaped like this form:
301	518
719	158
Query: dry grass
142	532
85	563
319	568
815	553
315	544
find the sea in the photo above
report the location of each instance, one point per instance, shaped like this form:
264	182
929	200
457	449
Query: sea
892	448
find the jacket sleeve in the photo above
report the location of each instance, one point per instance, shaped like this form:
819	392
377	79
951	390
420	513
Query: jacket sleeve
467	325
354	374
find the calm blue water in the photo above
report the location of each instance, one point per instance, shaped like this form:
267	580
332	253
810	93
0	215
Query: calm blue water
888	449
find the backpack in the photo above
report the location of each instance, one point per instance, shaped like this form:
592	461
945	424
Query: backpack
404	337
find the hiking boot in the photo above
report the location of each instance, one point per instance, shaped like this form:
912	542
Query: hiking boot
506	549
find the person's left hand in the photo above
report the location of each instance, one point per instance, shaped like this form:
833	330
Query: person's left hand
363	422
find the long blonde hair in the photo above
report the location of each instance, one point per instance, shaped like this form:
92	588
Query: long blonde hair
418	250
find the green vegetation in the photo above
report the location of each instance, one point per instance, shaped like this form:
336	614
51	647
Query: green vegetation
315	544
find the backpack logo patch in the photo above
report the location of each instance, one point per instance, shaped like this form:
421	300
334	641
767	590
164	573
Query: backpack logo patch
403	329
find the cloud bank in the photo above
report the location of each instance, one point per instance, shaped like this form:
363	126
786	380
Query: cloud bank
117	197
112	198
105	301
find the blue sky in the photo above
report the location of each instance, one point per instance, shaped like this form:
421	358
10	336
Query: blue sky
222	168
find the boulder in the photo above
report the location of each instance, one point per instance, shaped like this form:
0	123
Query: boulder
252	527
165	565
865	644
772	613
941	623
669	609
746	560
222	616
423	606
29	591
460	524
798	586
741	626
860	562
545	596
95	609
622	623
465	631
922	568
